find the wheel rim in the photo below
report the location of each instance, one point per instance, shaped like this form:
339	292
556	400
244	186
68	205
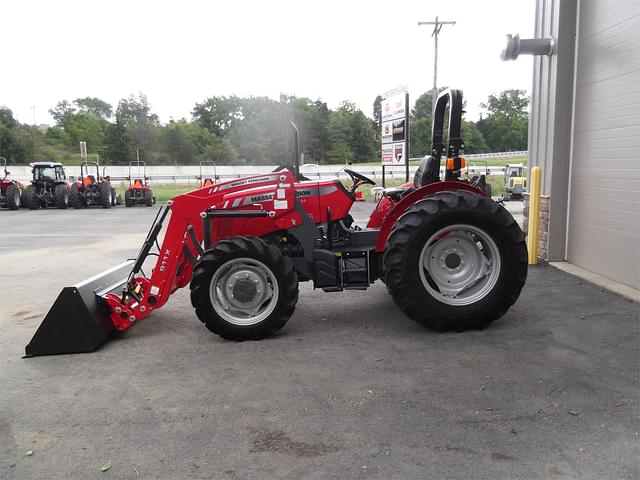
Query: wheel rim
459	265
244	291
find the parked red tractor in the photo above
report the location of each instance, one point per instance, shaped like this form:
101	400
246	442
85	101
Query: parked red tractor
451	257
49	186
10	190
139	191
91	189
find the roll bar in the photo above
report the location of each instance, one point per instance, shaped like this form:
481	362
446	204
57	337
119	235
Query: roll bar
454	142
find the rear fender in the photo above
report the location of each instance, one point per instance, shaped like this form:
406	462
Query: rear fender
398	210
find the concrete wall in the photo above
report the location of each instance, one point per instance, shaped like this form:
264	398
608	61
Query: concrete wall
604	215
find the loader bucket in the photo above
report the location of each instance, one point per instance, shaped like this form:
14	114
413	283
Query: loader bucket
79	319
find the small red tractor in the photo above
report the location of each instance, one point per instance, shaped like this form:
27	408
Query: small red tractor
208	174
49	186
450	256
11	191
91	189
139	191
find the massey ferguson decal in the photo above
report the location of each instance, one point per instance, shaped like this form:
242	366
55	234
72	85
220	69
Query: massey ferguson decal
244	201
248	181
307	192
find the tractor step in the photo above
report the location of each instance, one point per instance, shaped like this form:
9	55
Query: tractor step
79	320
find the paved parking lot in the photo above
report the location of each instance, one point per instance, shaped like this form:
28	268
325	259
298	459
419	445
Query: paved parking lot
350	388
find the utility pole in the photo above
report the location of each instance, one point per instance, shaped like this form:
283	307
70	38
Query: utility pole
437	26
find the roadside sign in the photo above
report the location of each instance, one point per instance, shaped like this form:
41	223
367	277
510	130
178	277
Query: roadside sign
395	127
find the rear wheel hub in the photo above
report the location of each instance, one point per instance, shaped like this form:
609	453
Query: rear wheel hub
459	264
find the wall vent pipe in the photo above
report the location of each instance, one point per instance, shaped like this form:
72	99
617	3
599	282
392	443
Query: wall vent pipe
529	46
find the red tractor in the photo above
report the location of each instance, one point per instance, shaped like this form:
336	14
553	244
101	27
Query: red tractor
139	191
208	174
10	190
450	256
91	189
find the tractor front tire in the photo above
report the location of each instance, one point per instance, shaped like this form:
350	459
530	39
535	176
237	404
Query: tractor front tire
105	195
61	196
14	199
148	198
31	199
128	201
244	289
455	261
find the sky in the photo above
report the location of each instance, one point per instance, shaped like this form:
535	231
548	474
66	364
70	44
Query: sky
179	53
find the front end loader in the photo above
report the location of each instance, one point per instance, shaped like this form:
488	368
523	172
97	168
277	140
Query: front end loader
450	256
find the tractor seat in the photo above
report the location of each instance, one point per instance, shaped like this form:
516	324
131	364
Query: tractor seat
428	172
396	193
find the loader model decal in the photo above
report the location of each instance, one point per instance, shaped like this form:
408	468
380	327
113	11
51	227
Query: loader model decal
165	259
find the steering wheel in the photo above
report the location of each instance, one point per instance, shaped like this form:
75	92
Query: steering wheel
358	179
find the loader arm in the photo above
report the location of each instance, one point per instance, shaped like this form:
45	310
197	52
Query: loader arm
183	244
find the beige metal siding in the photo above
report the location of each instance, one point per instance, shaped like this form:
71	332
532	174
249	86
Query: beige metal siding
604	207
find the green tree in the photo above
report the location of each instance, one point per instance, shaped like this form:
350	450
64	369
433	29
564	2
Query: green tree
19	143
506	126
84	127
473	139
118	148
420	138
189	143
62	109
377	114
135	115
95	106
349	128
218	114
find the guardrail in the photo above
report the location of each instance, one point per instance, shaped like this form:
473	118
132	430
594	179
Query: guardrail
190	174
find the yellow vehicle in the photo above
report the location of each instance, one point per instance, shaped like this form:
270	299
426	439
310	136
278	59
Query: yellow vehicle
515	181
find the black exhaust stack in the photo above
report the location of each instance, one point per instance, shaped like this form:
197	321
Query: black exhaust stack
79	319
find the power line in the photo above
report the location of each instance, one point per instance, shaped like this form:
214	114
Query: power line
437	26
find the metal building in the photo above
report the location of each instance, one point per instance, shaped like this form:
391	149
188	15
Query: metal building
585	134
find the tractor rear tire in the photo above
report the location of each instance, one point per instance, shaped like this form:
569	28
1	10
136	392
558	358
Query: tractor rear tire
452	295
128	201
31	199
105	195
12	194
148	198
61	196
230	276
76	199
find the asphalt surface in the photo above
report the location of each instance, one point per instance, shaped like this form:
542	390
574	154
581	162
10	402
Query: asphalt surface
349	389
